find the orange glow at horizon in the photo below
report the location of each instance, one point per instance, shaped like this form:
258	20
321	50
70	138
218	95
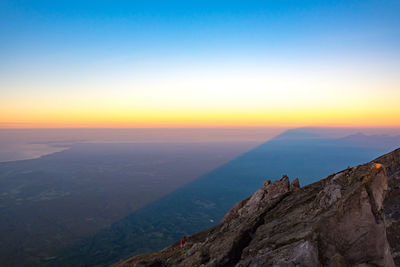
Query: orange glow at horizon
211	119
218	97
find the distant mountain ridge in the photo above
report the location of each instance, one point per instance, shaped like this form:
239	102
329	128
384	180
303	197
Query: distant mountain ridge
203	202
338	221
381	140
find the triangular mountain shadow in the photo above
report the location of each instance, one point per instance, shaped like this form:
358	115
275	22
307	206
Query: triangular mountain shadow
203	202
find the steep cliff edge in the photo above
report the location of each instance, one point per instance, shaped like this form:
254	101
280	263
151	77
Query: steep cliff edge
338	221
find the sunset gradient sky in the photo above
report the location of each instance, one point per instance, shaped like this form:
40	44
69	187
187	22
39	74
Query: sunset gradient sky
199	63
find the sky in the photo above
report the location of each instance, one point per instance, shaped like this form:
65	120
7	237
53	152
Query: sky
203	63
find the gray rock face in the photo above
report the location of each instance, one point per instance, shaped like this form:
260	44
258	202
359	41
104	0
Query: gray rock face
392	202
338	221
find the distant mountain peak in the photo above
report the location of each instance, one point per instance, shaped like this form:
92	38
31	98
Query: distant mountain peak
378	140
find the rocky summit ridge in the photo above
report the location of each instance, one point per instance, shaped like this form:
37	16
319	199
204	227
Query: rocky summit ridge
350	218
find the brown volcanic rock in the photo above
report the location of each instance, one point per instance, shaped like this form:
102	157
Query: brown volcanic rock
338	221
392	202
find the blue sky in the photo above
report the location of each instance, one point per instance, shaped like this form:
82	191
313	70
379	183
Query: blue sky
88	28
49	46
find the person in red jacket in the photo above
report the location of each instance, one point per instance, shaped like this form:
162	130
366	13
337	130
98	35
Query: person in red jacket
183	241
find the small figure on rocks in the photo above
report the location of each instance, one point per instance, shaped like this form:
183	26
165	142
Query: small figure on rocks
183	241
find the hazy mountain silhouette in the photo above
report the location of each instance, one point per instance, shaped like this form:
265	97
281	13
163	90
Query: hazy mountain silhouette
381	140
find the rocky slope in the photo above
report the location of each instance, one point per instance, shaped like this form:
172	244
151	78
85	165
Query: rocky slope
392	202
338	221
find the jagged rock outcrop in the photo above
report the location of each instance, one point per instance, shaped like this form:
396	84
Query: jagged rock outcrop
392	202
338	221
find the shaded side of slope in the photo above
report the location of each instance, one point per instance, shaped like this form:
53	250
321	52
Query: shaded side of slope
203	203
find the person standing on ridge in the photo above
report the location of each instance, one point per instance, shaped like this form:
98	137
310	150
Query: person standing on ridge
183	241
